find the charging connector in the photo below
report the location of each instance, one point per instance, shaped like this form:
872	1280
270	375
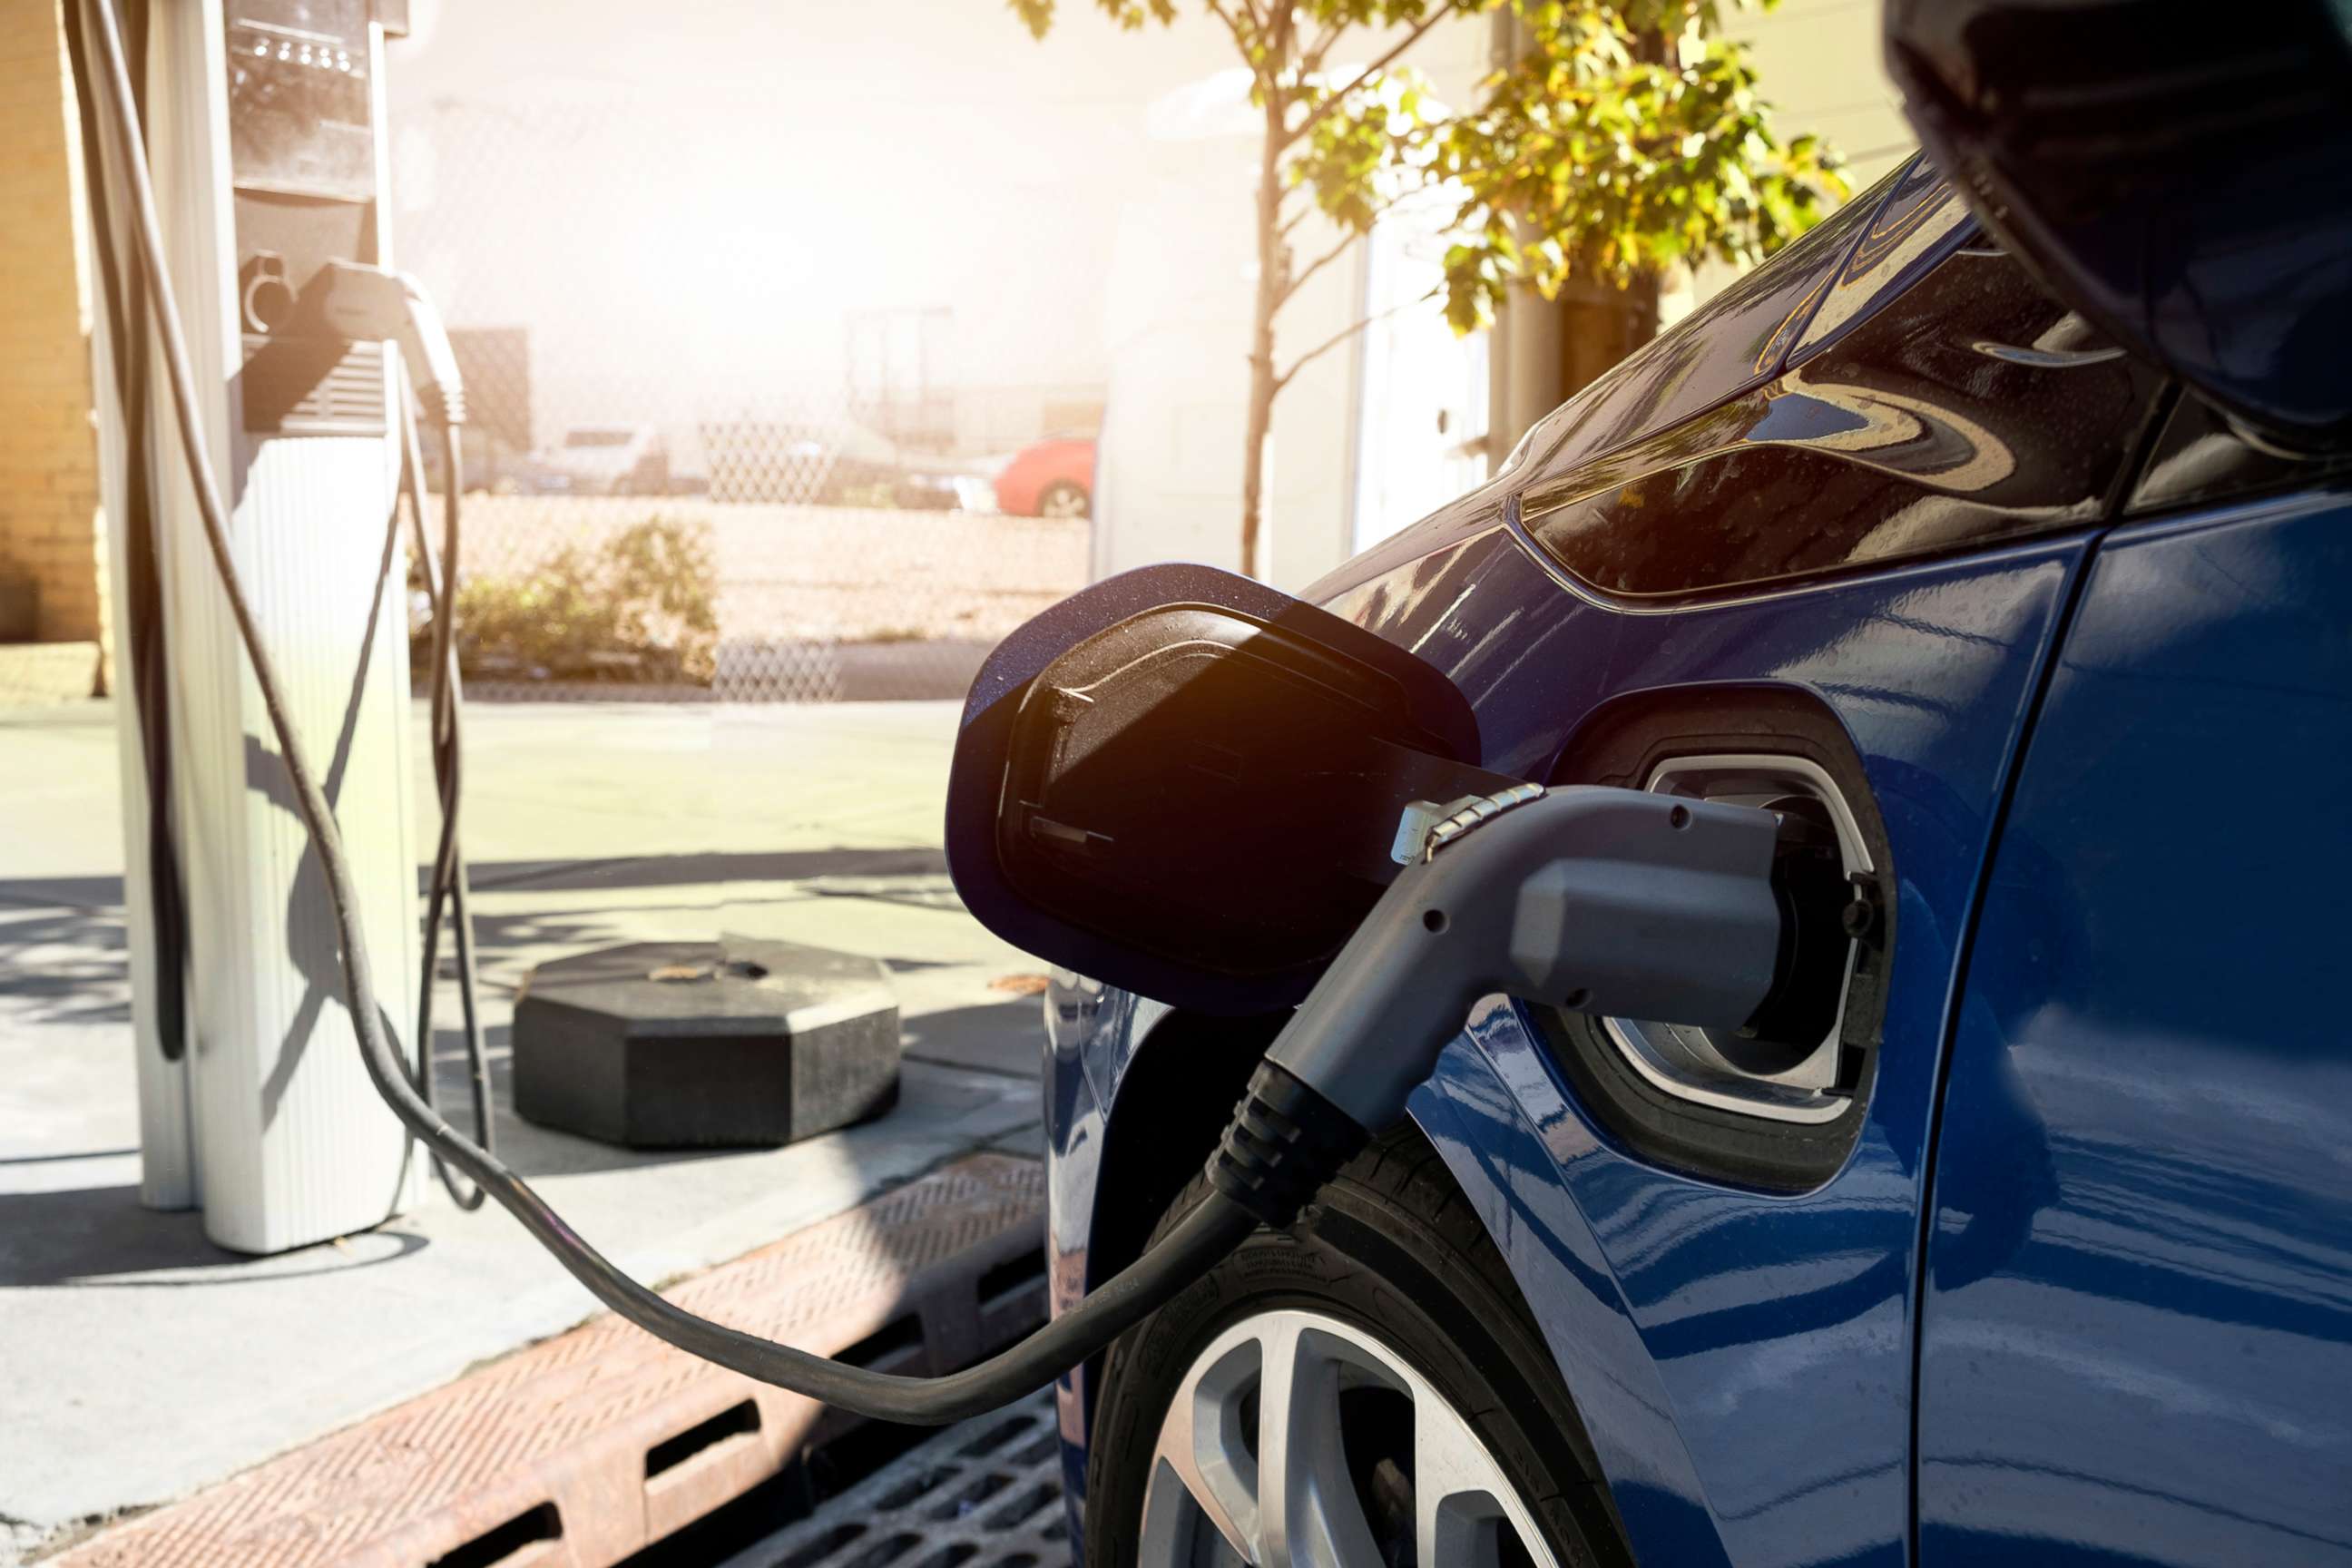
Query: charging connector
352	300
1609	901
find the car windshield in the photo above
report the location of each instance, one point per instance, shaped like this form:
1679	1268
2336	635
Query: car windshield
597	438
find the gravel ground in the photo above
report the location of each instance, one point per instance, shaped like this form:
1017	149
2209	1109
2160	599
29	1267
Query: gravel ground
820	573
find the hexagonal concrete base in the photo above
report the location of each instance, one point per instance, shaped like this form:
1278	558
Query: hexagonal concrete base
695	1044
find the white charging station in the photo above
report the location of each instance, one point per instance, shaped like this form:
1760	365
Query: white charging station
267	141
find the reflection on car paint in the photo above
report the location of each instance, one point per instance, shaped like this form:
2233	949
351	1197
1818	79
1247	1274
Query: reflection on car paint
1738	337
1906	437
2200	458
2137	1341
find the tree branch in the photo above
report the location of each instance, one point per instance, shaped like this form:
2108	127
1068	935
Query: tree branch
1312	60
1369	71
1233	26
1299	279
1294	219
1343	335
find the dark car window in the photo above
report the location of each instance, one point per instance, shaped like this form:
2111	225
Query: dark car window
1973	407
1735	340
2202	458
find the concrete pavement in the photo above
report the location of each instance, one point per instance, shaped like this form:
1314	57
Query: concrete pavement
137	1361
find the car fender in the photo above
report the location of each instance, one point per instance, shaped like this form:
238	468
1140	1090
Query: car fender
1503	1127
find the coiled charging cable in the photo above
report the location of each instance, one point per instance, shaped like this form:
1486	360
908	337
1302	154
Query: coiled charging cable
447	887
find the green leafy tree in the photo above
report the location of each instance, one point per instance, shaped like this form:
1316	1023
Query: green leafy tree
1623	138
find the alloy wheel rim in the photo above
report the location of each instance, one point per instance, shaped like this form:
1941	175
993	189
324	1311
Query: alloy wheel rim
1063	502
1368	1467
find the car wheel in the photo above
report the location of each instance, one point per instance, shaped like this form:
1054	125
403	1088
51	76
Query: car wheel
1064	499
1364	1388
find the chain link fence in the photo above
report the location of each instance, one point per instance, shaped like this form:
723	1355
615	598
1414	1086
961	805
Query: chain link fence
684	477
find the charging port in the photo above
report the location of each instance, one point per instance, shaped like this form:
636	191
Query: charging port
1779	1103
1788	1063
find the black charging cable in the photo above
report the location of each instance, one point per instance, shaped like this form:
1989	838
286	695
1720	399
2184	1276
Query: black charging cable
360	302
447	887
1206	1235
144	632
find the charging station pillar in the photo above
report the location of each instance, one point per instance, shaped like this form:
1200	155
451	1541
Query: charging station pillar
266	137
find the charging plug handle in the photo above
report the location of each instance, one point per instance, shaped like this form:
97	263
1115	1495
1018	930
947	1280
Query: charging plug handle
364	303
1600	900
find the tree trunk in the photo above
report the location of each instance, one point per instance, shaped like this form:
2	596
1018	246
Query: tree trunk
1273	268
1600	324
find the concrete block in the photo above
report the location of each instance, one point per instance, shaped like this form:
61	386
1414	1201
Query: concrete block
695	1045
39	673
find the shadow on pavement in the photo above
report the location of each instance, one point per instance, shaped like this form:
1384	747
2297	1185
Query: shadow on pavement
63	961
76	923
1006	1036
101	1236
712	867
68	964
70	892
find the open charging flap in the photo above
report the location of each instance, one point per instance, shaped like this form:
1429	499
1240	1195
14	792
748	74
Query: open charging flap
1185	783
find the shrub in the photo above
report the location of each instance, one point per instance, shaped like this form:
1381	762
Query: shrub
639	606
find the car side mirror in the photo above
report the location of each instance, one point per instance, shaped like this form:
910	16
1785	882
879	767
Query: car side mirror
1186	783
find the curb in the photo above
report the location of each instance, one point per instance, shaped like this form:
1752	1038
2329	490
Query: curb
579	1450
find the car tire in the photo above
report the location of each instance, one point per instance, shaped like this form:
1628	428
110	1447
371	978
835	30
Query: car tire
1392	1247
1064	498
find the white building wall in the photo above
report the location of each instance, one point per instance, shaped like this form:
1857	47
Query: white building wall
1177	333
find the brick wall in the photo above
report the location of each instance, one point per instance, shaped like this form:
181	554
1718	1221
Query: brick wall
51	530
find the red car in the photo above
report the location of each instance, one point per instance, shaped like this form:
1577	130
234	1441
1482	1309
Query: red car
1053	478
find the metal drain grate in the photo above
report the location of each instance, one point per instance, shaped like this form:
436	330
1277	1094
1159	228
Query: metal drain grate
987	1494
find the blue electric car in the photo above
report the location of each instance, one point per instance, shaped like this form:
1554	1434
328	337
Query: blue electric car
2029	1237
